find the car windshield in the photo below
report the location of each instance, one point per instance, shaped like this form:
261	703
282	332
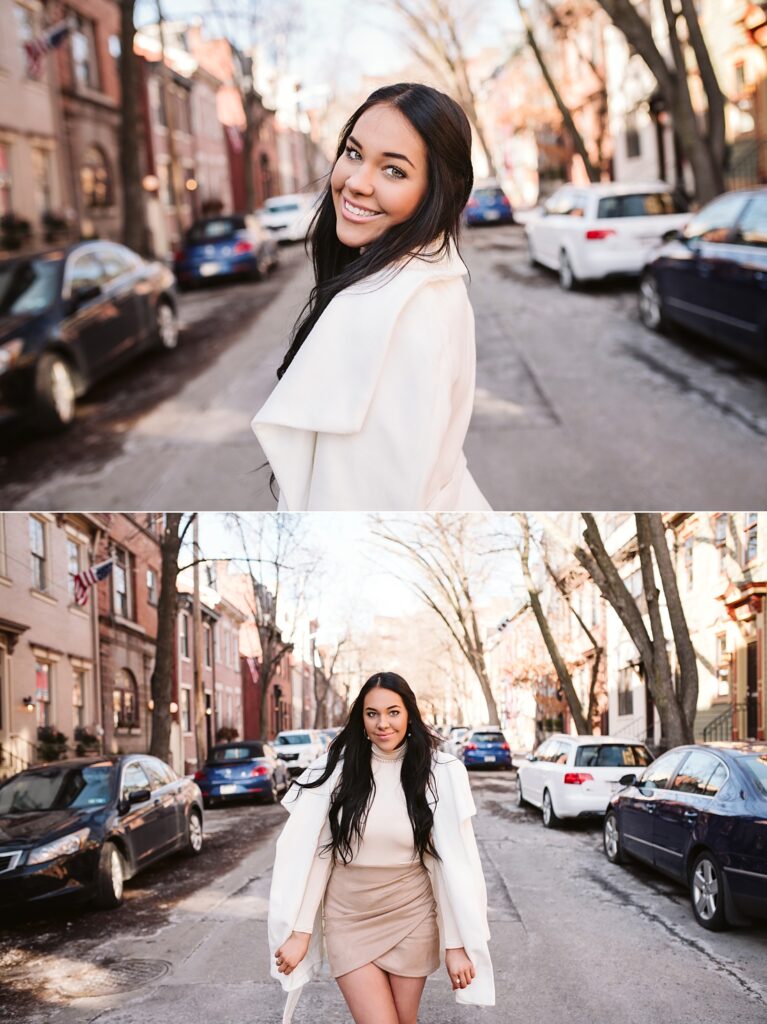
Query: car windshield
295	738
28	287
488	193
648	204
286	207
57	788
210	230
487	737
756	766
612	755
236	753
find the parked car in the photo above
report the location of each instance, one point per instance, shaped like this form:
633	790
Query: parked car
488	204
485	748
711	276
236	245
72	315
242	768
288	217
590	232
298	748
699	815
454	739
330	733
575	776
79	829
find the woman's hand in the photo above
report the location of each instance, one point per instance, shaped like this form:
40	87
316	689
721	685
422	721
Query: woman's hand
459	967
291	952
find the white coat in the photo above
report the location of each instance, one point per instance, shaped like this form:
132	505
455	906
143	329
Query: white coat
373	411
457	877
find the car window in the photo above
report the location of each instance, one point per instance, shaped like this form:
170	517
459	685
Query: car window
640	204
715	222
562	752
210	230
86	271
696	774
295	738
282	207
135	778
156	778
115	262
236	752
487	737
612	755
756	766
57	788
559	203
28	287
542	753
752	228
658	774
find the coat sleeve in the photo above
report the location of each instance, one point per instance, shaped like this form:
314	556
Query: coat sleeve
315	885
408	448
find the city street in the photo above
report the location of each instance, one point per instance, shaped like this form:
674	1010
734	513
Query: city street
573	938
578	405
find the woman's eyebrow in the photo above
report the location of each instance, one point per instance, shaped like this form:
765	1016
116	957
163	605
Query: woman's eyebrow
392	156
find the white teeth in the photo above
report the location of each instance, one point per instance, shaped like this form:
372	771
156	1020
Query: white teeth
357	211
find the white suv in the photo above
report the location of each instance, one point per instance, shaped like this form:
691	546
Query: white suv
572	776
587	232
298	748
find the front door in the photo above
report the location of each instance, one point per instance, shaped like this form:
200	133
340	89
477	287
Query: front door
752	704
143	822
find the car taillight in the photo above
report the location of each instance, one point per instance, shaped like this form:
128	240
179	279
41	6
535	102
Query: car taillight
259	770
199	775
470	746
242	247
504	746
178	255
505	201
473	202
597	234
577	778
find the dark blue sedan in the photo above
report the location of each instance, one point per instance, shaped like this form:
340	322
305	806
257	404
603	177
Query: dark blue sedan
486	748
712	276
237	245
699	814
242	768
488	205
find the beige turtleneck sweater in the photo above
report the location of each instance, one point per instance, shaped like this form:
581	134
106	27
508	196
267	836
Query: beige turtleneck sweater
387	841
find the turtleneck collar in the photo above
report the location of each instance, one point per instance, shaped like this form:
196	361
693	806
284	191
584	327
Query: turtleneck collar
387	755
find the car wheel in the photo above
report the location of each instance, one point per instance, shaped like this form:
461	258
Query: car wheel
567	279
273	795
110	877
612	840
521	802
550	820
651	303
55	391
531	258
166	326
193	844
707	892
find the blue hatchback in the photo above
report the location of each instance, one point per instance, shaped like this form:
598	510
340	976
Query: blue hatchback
228	246
242	768
486	748
488	205
699	814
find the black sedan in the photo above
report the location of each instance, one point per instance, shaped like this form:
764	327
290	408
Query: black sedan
699	814
242	768
79	829
70	316
712	276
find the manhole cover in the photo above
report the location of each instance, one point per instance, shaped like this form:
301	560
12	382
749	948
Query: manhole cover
107	976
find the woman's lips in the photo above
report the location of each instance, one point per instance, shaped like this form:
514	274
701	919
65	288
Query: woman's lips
357	218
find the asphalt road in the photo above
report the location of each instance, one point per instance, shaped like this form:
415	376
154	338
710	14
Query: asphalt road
578	405
573	938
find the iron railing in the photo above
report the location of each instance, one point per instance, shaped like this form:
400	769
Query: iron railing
720	728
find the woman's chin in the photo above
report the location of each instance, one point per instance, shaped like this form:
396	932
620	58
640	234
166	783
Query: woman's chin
350	235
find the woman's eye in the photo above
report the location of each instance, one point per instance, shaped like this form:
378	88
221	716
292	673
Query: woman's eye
352	153
396	172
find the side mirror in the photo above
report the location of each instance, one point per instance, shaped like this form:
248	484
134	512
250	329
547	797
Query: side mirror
674	235
628	780
84	293
531	757
138	796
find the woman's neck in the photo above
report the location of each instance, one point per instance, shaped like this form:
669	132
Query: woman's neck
387	755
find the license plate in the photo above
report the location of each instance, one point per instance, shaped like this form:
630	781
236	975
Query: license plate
226	790
492	215
490	757
209	269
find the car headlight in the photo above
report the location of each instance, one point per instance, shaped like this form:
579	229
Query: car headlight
10	352
59	847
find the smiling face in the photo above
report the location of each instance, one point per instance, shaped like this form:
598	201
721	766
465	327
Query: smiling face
385	718
380	179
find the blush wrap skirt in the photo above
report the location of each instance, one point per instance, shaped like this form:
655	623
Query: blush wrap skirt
381	915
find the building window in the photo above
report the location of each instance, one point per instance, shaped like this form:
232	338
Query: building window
722	666
125	700
750	539
38	553
78	698
74	565
226	646
626	691
688	547
122	590
207	634
633	144
26	31
229	720
183	635
151	586
6	195
84	58
95	179
186	718
720	538
43	692
41	179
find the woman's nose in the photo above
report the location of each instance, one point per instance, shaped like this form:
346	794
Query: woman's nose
360	182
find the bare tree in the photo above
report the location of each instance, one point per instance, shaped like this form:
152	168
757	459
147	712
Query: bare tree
447	558
324	677
135	232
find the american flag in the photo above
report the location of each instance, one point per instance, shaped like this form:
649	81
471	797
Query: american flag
88	578
38	46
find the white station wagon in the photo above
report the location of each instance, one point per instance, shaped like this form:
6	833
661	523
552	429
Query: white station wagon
588	232
573	776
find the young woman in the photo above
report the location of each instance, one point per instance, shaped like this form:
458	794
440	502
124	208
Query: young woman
378	863
375	394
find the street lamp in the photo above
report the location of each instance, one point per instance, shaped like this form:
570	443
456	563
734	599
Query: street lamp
28	703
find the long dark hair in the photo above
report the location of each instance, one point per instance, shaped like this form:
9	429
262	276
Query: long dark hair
352	794
446	133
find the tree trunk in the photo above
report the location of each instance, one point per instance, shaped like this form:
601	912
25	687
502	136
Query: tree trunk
134	233
162	676
200	715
